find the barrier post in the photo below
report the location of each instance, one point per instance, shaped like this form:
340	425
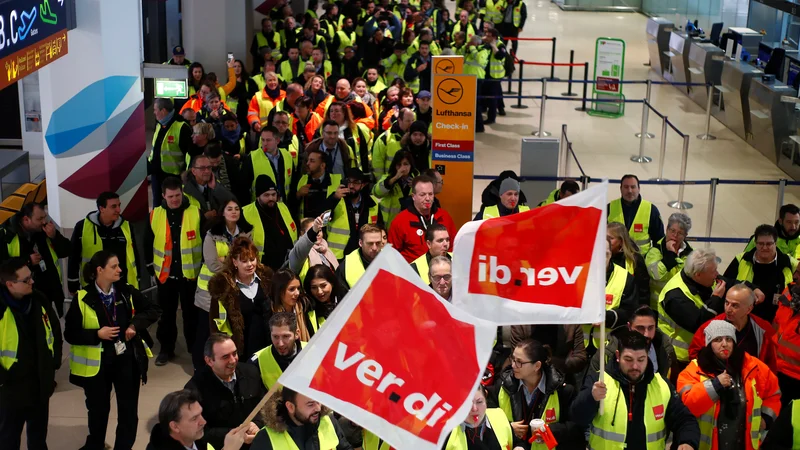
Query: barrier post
553	61
662	151
584	182
640	158
585	87
508	89
712	199
519	104
646	120
707	135
563	153
781	192
540	132
569	92
679	203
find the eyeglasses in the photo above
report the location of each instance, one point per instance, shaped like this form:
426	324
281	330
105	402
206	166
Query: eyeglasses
439	278
203	167
26	280
355	182
517	363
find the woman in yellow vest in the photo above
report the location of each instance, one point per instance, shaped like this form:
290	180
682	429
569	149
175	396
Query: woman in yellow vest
311	249
666	258
533	389
394	189
106	327
625	254
287	296
229	224
324	290
484	428
241	290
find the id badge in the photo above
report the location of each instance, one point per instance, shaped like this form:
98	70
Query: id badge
776	298
42	266
119	346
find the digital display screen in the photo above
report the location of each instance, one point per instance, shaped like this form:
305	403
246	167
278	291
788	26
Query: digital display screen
794	70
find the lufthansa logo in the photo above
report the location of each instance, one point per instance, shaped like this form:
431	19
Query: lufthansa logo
445	66
450	91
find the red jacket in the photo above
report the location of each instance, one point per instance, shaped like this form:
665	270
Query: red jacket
407	232
765	335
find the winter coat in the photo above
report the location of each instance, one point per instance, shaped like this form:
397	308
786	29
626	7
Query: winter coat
665	353
765	336
161	440
202	298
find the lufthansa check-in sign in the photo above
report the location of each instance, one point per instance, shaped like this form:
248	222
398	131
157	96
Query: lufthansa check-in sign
454	103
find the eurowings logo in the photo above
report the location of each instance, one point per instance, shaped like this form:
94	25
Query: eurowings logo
27	18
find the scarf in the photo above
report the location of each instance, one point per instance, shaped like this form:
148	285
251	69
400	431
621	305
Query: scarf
232	136
167	119
273	93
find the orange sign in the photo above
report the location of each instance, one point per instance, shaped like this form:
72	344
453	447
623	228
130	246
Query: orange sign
30	59
448	65
453	141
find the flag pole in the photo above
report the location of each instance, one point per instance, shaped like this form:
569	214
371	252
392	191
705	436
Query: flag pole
260	405
602	351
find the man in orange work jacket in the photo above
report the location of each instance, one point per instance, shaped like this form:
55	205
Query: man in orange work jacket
734	396
787	326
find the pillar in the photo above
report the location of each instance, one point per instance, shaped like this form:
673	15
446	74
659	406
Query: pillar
212	28
93	114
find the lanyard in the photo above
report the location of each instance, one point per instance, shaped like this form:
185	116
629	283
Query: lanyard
112	320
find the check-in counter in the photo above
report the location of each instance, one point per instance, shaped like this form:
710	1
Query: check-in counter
735	89
749	39
658	33
705	66
679	43
771	119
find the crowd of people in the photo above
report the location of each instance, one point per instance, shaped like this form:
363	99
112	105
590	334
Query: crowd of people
274	193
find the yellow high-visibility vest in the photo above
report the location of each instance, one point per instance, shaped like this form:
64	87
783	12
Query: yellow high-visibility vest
90	244
270	370
190	241
9	337
614	289
254	218
326	435
172	159
354	269
640	228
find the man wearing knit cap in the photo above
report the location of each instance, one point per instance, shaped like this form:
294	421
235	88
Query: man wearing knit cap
734	396
509	201
274	230
419	145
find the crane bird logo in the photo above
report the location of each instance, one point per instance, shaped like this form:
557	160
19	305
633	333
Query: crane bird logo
450	91
445	66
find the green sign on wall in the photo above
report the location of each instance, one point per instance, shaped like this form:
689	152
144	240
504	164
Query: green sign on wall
171	88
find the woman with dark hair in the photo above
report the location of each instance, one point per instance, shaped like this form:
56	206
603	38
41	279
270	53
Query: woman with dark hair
196	77
106	327
483	429
287	296
394	188
228	225
239	98
305	121
324	290
241	289
533	389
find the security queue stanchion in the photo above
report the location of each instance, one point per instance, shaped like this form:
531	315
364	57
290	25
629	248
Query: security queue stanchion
585	87
540	132
553	61
712	200
781	192
707	135
519	104
508	89
584	182
646	117
679	203
569	92
662	150
640	158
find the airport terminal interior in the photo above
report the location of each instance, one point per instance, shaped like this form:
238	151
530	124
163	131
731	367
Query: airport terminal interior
752	151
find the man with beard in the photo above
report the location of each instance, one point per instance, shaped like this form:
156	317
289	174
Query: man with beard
274	230
203	190
639	407
419	145
353	210
317	190
354	265
441	276
734	396
181	425
509	201
346	37
293	418
286	345
228	391
660	351
407	233
288	141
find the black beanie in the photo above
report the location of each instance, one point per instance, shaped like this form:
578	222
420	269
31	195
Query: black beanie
263	184
419	126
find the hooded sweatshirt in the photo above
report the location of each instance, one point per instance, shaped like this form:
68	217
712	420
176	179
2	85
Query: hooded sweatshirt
112	239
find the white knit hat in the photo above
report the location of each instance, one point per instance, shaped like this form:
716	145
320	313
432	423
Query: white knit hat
719	328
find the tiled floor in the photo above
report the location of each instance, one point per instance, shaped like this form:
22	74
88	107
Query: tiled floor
603	147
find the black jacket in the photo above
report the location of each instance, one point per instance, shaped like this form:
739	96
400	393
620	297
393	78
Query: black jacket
491	195
127	298
341	271
30	380
629	211
184	142
217	197
222	410
641	277
767	277
665	352
683	311
781	434
112	239
161	440
567	433
678	420
412	74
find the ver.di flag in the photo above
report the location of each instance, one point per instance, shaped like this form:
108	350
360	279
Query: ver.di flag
542	266
395	358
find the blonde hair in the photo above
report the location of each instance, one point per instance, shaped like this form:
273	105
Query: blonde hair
629	248
205	128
